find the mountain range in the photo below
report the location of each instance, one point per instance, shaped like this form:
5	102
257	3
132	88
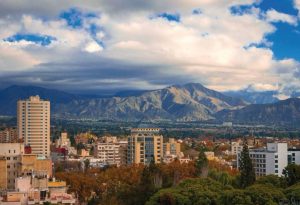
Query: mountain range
189	102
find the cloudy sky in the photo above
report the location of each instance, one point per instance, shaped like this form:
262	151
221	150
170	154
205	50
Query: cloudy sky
89	46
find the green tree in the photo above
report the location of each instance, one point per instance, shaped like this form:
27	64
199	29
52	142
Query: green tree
235	196
292	174
293	193
201	163
247	177
265	194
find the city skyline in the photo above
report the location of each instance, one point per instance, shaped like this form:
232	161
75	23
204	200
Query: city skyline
92	46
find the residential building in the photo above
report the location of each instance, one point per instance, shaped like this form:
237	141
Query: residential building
12	155
145	145
63	141
8	135
15	163
172	147
236	147
33	189
33	121
294	156
110	151
270	160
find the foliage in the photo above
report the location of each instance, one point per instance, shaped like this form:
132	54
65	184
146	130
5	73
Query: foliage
292	174
273	180
262	194
293	192
125	185
246	167
201	163
235	196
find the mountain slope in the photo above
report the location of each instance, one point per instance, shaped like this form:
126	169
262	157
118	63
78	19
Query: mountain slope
179	102
280	113
10	96
187	102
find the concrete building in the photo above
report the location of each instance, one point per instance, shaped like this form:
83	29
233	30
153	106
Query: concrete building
8	135
172	147
15	163
32	190
236	147
110	151
293	156
145	145
33	120
63	141
12	153
270	160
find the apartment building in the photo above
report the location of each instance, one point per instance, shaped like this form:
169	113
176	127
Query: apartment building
8	135
63	141
11	154
236	147
145	145
270	160
111	151
33	122
172	147
294	156
15	163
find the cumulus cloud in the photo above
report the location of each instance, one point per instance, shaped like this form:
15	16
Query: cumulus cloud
118	44
274	16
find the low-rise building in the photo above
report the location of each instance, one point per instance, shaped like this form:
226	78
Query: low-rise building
270	160
111	151
172	147
9	135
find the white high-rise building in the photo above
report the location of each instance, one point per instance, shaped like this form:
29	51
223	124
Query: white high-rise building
270	160
33	116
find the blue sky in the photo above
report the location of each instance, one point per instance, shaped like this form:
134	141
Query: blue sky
131	44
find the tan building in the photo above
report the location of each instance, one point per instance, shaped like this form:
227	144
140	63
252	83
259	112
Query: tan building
32	164
8	135
14	163
172	147
111	151
63	141
33	120
12	152
145	145
3	171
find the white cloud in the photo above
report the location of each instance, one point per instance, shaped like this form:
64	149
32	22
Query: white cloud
274	16
93	47
215	47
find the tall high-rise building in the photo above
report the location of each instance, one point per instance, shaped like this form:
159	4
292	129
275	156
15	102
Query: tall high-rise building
145	145
33	117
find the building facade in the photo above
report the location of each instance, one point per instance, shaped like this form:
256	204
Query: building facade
270	160
145	145
11	154
8	135
172	147
111	151
33	121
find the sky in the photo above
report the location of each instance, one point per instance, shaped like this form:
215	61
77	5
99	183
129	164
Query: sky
90	46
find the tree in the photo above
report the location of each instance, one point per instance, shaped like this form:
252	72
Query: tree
201	164
246	168
292	174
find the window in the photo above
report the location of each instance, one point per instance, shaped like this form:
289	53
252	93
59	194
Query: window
276	161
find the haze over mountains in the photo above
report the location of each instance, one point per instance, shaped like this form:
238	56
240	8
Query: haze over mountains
189	102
